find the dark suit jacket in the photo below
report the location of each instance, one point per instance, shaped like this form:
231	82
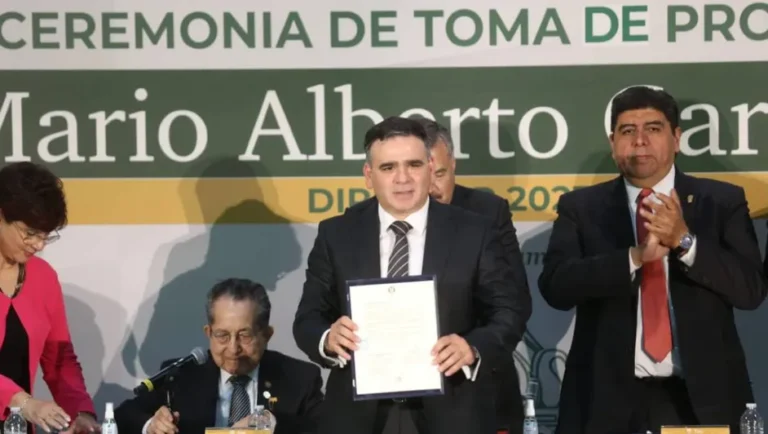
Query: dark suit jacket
474	281
509	408
296	384
587	267
765	260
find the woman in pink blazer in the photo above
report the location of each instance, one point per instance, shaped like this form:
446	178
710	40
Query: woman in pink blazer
33	323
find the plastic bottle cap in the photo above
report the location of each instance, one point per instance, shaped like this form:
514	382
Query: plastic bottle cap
15	409
259	407
110	412
751	406
530	408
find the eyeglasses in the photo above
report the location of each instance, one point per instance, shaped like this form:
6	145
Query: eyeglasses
32	235
244	337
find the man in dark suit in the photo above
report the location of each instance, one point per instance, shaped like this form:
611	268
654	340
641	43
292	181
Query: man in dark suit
239	374
655	341
509	408
475	282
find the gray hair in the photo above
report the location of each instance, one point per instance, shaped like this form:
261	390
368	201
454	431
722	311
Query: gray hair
436	133
239	290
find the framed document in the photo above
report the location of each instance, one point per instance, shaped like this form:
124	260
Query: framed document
398	325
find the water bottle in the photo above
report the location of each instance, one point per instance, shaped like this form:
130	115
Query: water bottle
15	424
532	389
751	422
530	425
109	426
260	419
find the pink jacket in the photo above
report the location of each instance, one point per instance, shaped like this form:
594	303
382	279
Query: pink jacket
40	306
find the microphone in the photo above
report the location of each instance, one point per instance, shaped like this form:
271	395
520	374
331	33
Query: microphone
197	355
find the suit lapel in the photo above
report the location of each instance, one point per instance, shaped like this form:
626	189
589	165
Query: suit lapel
271	375
265	378
617	223
687	194
617	217
440	232
209	398
367	241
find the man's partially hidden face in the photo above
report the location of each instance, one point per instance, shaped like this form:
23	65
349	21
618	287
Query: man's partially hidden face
445	173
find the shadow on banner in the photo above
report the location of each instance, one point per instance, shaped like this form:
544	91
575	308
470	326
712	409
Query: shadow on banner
85	311
248	240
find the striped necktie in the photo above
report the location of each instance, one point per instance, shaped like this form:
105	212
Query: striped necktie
240	404
398	260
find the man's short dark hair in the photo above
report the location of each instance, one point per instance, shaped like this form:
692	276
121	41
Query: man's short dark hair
436	133
240	290
32	194
641	97
393	126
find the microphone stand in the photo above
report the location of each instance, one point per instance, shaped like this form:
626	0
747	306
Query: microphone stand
169	392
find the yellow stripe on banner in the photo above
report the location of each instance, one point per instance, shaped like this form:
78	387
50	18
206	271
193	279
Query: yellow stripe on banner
309	200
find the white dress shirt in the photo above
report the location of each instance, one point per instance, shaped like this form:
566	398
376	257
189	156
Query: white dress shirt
416	241
225	397
644	365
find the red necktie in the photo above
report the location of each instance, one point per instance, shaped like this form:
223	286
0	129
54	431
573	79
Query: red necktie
657	333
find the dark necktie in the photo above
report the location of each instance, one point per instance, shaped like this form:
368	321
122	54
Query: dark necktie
398	260
657	330
240	404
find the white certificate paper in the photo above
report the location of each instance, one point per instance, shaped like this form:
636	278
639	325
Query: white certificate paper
397	323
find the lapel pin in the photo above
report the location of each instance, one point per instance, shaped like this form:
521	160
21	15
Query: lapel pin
690	198
271	400
267	384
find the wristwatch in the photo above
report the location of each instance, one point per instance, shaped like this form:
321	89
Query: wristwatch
686	242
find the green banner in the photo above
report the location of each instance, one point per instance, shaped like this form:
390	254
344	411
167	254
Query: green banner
311	122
